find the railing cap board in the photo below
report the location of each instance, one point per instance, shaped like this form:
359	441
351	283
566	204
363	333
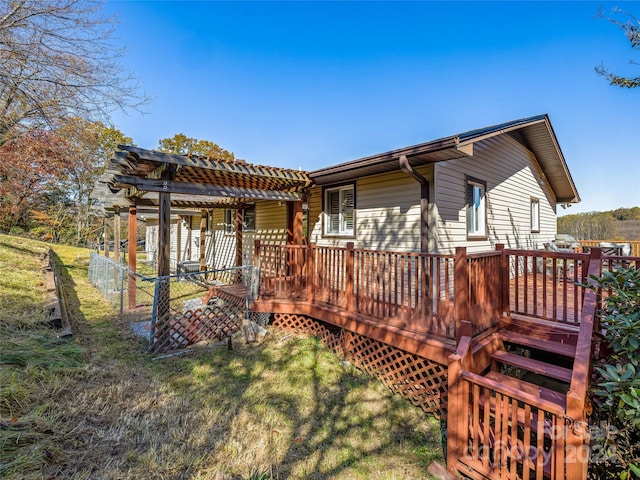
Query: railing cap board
519	395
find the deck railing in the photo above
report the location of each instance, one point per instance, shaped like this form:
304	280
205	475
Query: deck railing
546	285
486	292
417	291
634	244
432	293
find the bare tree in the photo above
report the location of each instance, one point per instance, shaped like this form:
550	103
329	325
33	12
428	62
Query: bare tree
631	29
57	59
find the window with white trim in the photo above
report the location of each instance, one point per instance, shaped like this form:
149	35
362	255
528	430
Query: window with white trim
476	208
535	215
339	208
249	218
229	221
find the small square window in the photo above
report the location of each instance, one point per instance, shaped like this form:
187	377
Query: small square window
535	215
476	208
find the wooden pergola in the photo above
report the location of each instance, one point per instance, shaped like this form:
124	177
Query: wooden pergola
145	179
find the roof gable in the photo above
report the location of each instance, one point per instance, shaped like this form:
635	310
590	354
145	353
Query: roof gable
535	133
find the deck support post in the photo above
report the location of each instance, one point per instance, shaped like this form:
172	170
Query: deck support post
131	247
203	240
349	277
116	234
460	289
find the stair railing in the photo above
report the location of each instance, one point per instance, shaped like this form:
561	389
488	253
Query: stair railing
577	430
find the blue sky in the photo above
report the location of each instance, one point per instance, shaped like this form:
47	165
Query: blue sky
311	84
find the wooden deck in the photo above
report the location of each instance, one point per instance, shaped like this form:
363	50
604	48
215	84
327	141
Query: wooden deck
453	315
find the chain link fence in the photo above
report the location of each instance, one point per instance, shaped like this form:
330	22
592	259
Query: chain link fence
176	311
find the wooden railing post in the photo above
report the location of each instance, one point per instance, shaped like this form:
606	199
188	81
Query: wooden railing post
454	438
460	289
458	398
349	277
503	279
311	271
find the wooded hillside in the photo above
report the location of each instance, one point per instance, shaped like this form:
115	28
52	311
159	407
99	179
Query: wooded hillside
618	224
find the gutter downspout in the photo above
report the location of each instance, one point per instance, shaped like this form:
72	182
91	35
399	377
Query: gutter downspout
424	201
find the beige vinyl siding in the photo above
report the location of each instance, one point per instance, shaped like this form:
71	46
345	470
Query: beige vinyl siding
221	247
315	215
513	177
151	240
271	228
387	213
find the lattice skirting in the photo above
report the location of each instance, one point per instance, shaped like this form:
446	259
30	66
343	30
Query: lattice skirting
331	337
209	322
421	381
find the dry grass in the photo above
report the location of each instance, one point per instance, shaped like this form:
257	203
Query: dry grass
99	407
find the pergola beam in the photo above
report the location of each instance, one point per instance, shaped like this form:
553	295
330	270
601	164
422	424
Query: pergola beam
169	186
140	155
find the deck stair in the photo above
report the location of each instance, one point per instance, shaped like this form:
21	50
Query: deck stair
514	413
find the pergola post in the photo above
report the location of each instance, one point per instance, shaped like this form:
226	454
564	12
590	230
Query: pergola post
116	234
164	251
164	235
187	252
106	238
203	240
298	232
131	247
178	241
239	223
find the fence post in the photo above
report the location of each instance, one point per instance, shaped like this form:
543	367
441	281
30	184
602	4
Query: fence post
460	289
121	290
349	277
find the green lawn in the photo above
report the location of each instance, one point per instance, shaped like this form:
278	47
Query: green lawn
97	406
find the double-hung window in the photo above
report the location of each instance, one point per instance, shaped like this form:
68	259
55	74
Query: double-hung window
229	221
248	220
476	208
339	208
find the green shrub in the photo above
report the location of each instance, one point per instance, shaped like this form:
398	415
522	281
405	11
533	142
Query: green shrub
616	392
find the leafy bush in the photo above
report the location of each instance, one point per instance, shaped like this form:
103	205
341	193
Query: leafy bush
616	395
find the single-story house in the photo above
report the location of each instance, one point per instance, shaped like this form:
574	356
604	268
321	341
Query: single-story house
499	184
